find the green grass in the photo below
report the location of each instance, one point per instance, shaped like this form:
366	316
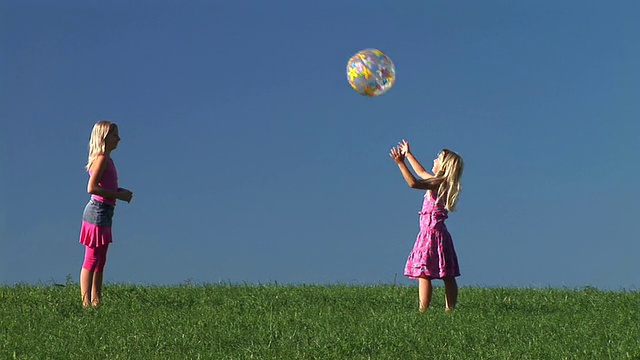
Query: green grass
316	322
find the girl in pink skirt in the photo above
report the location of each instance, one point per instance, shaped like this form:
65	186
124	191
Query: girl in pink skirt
95	233
433	255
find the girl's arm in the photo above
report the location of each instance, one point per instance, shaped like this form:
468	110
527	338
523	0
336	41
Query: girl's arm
415	164
418	168
97	170
413	183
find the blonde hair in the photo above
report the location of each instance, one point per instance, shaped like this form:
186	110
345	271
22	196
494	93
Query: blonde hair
96	143
447	180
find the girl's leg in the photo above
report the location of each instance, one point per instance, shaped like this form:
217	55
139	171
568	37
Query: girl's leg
424	292
91	275
86	276
98	275
86	280
96	289
451	292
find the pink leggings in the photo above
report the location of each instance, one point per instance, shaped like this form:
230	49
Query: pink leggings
95	258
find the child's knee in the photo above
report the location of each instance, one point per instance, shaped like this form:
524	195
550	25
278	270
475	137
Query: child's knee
95	258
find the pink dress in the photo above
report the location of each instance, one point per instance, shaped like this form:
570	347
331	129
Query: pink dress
433	254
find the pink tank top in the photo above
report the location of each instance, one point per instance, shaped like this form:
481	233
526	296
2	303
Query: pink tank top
109	182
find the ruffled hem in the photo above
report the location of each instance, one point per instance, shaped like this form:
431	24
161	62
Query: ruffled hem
433	255
94	235
422	262
420	273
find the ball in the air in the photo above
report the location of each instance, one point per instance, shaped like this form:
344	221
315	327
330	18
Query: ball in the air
370	72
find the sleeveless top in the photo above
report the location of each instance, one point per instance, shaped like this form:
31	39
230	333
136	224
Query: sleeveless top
433	214
109	182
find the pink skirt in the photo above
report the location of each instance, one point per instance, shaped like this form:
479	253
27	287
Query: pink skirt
433	255
96	224
95	235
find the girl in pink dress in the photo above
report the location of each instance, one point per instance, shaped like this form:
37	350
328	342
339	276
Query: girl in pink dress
95	233
433	255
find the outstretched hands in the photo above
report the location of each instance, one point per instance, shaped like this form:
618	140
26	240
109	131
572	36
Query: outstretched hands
404	147
397	155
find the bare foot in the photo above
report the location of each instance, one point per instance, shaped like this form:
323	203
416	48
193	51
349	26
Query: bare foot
422	307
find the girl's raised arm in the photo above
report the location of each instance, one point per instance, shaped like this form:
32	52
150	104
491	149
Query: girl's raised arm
398	157
415	164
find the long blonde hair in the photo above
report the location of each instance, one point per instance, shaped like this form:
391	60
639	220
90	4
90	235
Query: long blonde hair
96	143
447	180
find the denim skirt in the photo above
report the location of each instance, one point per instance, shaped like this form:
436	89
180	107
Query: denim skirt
97	219
98	213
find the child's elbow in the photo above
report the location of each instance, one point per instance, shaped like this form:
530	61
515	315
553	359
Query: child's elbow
420	185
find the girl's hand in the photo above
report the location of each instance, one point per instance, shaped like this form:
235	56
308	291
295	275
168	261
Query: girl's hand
396	155
404	147
125	195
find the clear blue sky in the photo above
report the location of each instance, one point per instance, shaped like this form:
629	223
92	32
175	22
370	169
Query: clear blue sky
252	160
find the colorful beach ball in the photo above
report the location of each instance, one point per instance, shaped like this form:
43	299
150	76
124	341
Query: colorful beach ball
370	72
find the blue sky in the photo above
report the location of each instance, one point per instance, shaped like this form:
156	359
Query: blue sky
253	161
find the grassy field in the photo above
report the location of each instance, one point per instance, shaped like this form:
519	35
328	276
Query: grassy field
226	321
